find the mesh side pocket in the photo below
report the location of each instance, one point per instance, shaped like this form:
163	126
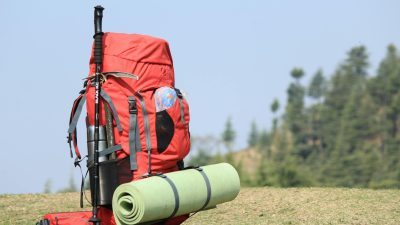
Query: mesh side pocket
164	130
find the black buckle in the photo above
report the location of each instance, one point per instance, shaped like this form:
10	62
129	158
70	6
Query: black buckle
179	93
77	162
132	107
85	83
159	174
195	167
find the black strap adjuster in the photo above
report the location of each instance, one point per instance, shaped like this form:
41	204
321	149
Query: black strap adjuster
158	174
132	106
178	93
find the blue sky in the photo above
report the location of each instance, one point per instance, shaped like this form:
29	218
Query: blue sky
232	58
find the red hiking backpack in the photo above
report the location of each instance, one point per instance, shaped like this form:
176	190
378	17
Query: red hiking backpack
144	119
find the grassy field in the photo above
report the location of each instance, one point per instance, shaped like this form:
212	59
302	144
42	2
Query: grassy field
253	206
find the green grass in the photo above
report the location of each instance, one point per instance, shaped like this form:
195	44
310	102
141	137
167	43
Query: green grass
253	206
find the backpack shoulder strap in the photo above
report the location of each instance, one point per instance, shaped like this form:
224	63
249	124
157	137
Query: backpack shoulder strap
73	121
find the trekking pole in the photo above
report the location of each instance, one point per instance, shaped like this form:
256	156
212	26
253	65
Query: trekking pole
98	60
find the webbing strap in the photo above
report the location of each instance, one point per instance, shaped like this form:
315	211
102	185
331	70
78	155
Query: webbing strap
132	131
208	185
75	118
176	195
121	75
75	113
137	139
110	150
107	98
77	163
146	130
180	97
106	151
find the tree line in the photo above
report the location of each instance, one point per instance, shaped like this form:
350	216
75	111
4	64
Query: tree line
338	130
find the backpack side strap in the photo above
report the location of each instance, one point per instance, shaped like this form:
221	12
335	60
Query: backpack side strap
180	97
75	113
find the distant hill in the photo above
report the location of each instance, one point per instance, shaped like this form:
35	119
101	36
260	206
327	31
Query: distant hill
248	160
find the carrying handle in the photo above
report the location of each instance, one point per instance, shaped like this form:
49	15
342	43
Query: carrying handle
98	35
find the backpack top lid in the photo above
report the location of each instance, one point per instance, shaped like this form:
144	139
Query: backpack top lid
142	55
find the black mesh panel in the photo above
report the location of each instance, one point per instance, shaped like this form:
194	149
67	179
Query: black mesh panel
164	130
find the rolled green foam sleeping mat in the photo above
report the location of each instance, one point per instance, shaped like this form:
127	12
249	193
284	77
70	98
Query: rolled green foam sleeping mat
173	194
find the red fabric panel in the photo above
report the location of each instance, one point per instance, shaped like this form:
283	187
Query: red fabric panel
106	216
137	47
142	55
69	218
176	220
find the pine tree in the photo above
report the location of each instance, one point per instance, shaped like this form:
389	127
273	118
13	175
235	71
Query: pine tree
316	90
48	186
297	74
349	74
274	109
263	139
229	135
71	185
295	105
383	89
357	62
317	86
294	116
253	136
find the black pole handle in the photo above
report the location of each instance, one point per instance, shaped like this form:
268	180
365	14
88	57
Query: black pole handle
98	16
98	34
